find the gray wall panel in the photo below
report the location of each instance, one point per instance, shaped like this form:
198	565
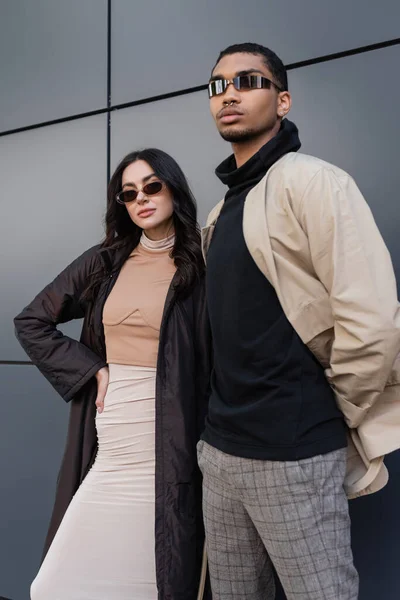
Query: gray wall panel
53	59
33	421
376	534
52	184
183	127
344	119
159	47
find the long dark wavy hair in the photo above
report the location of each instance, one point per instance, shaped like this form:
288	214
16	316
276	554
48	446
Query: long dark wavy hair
124	235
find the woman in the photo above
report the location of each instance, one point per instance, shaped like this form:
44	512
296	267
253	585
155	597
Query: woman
133	530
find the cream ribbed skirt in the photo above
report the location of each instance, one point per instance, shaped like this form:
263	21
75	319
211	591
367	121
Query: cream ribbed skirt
104	547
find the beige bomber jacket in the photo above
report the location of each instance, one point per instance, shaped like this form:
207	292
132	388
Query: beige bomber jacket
311	233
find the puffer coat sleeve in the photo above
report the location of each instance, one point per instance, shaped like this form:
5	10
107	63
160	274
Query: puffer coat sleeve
66	363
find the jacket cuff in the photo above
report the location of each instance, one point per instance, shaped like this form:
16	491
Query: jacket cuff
73	391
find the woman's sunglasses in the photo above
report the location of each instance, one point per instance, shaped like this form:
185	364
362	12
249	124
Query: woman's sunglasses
149	189
242	82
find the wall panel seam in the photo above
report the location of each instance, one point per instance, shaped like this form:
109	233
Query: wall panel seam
109	109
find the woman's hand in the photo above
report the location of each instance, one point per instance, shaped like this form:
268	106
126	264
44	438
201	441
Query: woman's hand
102	377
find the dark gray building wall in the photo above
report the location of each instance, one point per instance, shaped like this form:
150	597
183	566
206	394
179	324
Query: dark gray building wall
53	65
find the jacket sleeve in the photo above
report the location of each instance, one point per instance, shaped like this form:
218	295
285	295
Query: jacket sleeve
353	263
65	362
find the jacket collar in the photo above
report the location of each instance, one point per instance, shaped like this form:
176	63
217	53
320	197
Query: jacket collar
208	230
113	257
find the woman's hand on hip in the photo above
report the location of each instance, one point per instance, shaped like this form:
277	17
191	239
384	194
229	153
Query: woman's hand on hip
102	377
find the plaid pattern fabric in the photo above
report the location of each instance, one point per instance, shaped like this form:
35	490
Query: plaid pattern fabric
294	514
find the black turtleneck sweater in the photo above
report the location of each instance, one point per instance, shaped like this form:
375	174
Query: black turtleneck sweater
270	399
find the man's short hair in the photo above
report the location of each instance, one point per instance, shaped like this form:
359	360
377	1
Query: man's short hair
271	60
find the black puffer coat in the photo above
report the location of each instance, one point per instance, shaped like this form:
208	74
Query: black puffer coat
181	402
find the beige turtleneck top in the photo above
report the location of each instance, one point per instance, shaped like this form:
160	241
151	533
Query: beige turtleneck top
133	311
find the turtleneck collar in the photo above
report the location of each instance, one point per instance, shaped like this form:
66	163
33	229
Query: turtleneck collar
287	140
157	245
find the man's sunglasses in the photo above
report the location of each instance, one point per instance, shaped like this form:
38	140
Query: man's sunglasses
242	82
149	189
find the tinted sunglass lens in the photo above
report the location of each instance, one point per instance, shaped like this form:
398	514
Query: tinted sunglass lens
216	87
128	195
152	188
243	82
263	82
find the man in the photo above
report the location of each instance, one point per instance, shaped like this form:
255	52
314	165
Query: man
306	329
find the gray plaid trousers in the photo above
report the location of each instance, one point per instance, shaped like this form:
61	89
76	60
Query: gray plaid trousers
293	514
